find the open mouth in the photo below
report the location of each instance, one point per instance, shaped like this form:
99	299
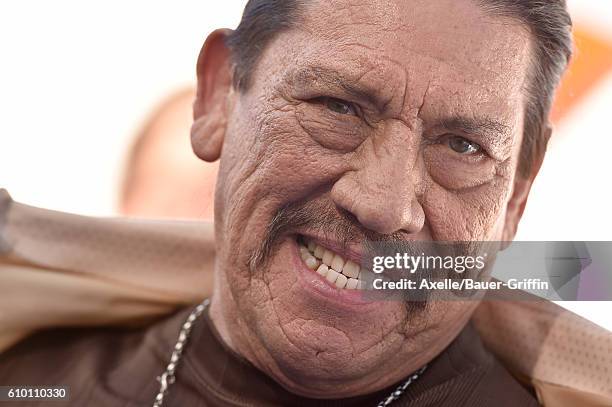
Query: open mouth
338	271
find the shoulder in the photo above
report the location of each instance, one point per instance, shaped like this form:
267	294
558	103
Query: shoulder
91	361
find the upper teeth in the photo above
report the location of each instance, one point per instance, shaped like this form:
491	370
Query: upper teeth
333	267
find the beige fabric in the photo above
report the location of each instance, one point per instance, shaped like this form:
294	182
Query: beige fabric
560	396
563	355
58	269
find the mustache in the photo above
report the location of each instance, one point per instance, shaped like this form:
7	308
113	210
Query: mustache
321	217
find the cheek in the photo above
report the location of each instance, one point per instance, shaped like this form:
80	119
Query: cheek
268	161
260	156
468	215
466	196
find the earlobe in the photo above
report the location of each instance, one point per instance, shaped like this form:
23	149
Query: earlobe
210	111
207	135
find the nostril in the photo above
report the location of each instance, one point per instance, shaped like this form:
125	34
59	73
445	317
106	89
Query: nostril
374	216
381	222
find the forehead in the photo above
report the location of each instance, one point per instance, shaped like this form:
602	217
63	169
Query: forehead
407	51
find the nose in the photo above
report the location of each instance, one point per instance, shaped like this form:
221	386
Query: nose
382	192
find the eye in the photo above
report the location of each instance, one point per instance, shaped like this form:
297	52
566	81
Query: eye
462	145
340	106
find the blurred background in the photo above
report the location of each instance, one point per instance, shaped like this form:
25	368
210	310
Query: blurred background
95	112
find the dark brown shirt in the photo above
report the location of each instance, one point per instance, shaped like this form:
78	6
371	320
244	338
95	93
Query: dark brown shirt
118	367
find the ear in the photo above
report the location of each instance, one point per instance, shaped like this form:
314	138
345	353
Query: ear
522	187
210	107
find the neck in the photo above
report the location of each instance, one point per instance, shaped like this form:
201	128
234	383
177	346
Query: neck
229	322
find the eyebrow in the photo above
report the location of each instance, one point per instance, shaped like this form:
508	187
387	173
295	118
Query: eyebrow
331	77
483	126
478	126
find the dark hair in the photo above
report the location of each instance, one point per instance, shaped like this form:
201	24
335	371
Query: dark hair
547	20
261	21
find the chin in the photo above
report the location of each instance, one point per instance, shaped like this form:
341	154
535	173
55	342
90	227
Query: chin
307	328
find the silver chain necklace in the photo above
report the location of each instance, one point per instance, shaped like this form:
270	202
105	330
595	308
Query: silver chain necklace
169	376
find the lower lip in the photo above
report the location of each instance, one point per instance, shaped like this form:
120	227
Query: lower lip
316	285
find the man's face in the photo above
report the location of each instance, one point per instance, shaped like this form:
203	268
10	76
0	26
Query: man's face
374	118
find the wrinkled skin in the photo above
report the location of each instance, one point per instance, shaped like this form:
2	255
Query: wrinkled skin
384	157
